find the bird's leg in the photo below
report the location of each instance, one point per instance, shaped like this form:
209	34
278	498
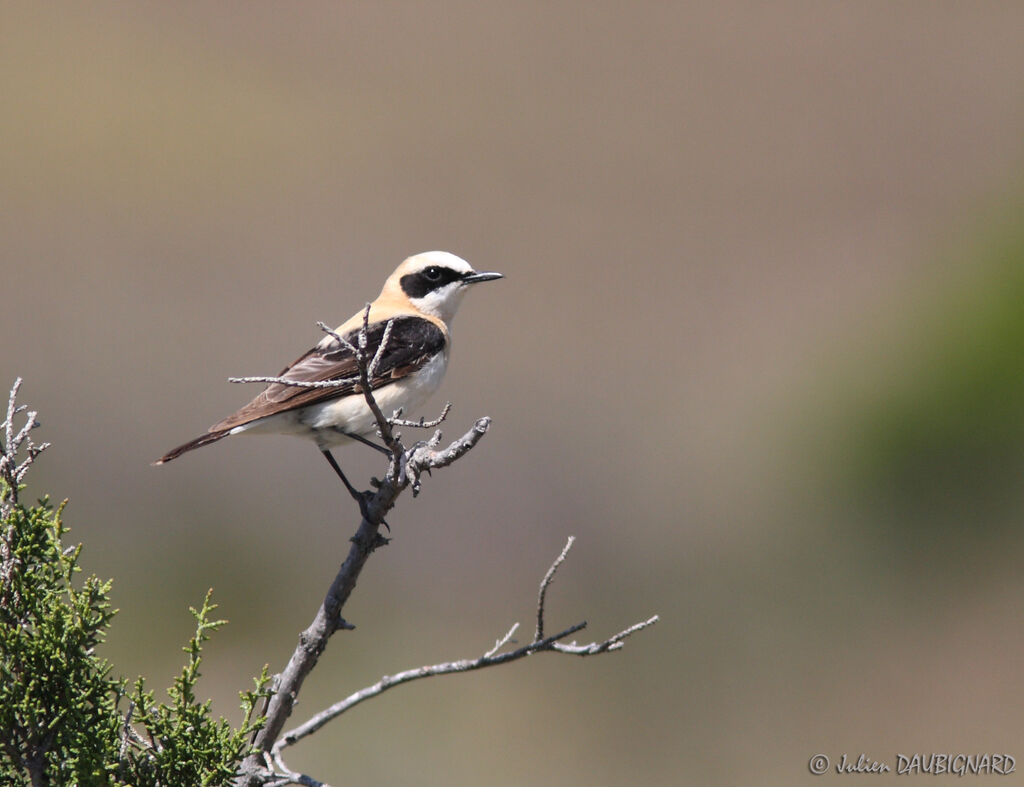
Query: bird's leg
356	494
383	449
334	464
359	497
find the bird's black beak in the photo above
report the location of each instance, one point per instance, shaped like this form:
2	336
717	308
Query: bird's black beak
474	277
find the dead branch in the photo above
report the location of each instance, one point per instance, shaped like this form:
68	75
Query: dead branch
11	471
492	657
405	468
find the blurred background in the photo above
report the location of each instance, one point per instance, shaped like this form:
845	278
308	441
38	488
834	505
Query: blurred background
759	348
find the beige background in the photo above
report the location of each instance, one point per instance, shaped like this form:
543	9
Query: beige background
759	348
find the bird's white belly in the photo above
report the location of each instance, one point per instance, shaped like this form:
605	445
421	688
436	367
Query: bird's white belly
329	422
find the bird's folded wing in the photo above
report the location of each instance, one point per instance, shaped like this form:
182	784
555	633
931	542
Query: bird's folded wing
413	341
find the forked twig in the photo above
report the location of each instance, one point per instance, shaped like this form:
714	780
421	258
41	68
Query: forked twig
492	657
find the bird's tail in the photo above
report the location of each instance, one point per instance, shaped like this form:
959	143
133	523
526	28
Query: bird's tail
199	442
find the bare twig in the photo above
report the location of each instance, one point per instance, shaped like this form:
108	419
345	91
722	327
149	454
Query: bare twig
383	427
503	641
545	583
372	369
492	657
338	337
277	767
397	420
11	471
612	643
346	381
12	410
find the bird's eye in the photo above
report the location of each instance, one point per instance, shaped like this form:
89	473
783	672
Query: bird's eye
433	273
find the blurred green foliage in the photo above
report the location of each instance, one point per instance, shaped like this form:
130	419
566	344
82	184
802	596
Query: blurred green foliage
939	435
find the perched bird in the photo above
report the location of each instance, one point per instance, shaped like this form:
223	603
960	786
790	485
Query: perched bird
419	299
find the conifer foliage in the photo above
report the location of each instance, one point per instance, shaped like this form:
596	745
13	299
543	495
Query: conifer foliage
65	716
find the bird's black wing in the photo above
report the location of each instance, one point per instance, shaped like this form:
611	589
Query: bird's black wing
412	343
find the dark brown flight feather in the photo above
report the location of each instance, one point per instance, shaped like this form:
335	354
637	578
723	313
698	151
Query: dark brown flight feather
412	343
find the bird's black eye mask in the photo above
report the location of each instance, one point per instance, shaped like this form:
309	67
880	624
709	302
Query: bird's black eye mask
421	283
